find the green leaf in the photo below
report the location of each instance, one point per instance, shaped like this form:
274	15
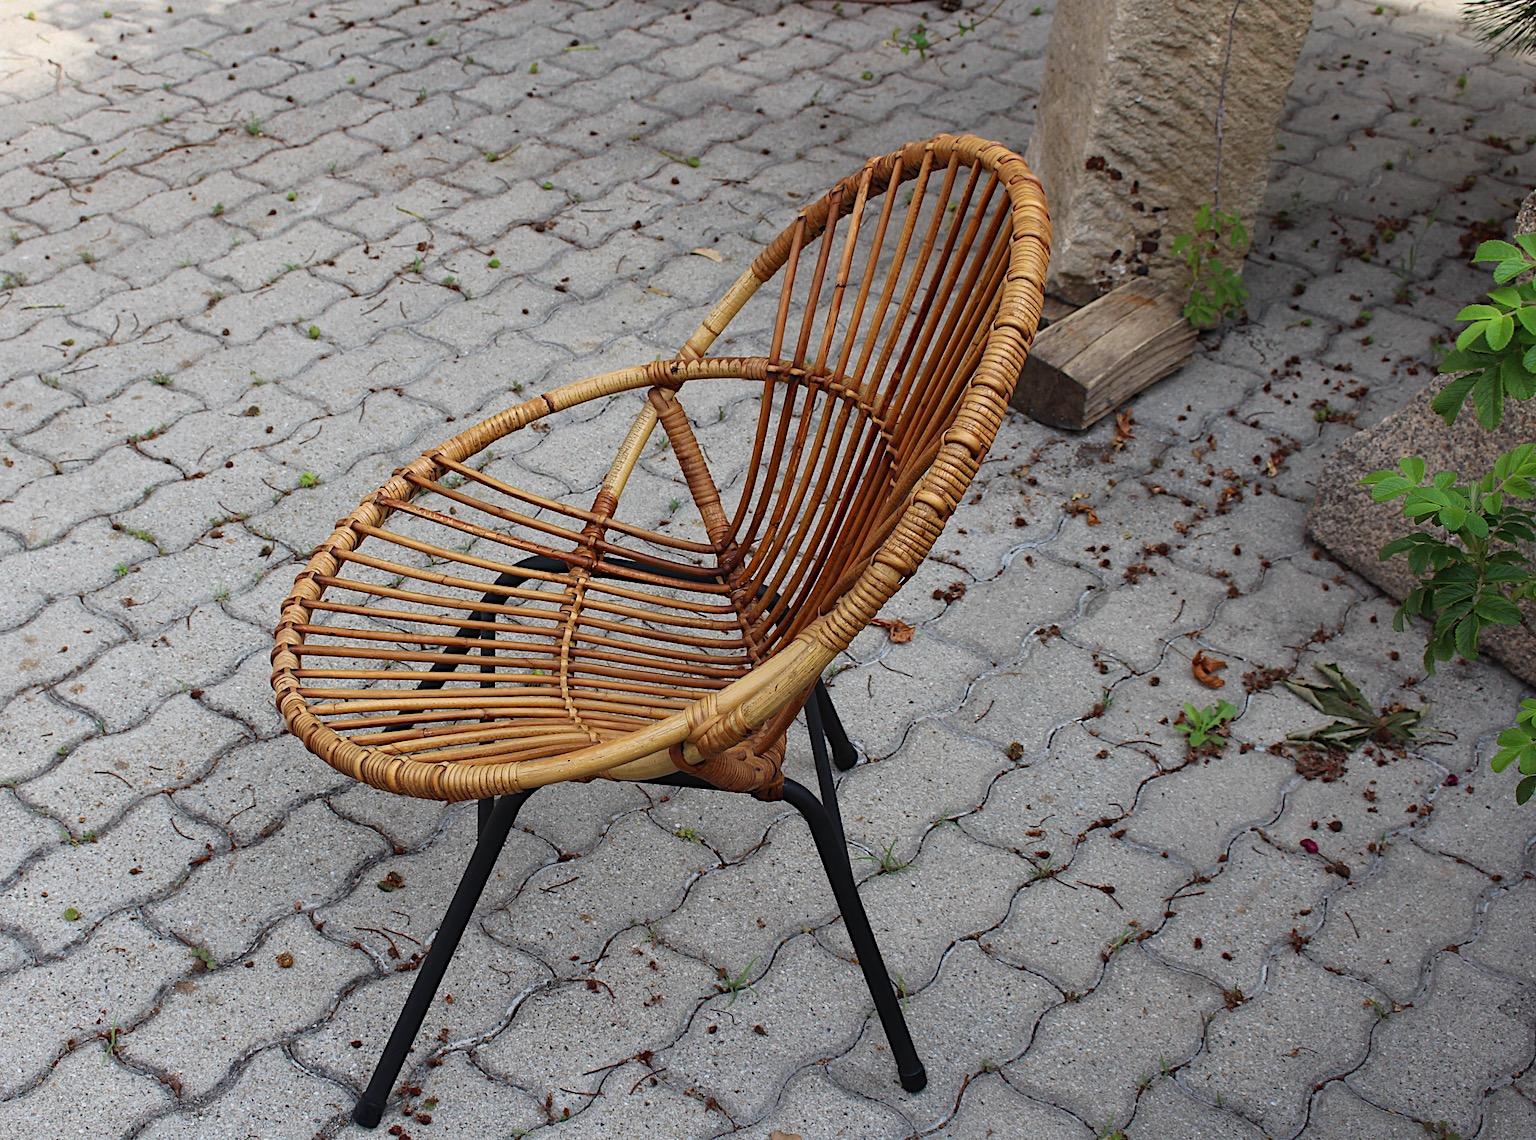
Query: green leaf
1498	610
1500	332
1448	401
1526	314
1466	637
1524	789
1471	334
1479	313
1507	298
1412	466
1527	242
1508	270
1488	398
1495	251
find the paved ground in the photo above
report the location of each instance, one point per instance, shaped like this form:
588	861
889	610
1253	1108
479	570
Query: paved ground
223	248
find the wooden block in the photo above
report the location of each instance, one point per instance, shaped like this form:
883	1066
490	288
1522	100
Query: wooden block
1088	363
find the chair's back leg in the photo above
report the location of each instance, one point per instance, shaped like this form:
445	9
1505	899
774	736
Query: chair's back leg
834	857
844	755
429	975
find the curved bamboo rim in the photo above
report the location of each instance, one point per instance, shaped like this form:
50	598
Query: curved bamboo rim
725	733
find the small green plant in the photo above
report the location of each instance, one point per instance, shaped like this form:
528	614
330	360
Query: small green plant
291	196
122	569
494	263
71	914
308	479
886	860
160	380
141	534
253	127
692	160
205	956
218	210
1216	291
915	40
734	984
689	834
1202	726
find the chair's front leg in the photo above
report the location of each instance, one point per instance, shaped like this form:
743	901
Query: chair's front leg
493	836
834	857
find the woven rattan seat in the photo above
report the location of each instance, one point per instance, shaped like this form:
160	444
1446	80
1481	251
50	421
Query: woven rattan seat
465	635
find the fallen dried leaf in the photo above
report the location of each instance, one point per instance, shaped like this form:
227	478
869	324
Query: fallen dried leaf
898	631
713	255
1204	669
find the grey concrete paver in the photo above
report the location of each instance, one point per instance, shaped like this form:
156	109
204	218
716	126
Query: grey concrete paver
183	193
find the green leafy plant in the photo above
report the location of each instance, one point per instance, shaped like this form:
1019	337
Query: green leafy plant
1495	355
1472	577
1469	551
1216	291
1202	726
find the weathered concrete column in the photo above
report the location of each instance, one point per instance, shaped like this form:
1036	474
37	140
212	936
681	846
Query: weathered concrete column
1151	108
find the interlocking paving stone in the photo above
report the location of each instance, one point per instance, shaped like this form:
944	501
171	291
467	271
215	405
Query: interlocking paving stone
243	1008
485	981
1385	926
1337	1111
1265	1057
1151	1014
1474	1017
1001	1003
145	187
1261	894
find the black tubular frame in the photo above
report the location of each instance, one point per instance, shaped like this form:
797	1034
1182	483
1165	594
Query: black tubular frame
829	745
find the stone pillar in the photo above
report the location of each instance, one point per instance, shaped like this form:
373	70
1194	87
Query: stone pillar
1149	109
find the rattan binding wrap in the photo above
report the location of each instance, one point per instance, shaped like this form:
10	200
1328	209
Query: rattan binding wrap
902	320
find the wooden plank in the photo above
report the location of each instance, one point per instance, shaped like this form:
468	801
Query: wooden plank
1088	363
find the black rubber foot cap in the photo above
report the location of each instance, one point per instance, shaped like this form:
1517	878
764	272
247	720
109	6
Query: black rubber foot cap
368	1115
844	758
916	1080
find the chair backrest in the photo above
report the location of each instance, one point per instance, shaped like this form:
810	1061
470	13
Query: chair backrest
907	297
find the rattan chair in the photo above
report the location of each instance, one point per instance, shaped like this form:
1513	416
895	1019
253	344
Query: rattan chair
461	637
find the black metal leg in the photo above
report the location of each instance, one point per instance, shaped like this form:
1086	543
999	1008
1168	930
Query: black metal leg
816	728
843	753
483	810
834	857
493	836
